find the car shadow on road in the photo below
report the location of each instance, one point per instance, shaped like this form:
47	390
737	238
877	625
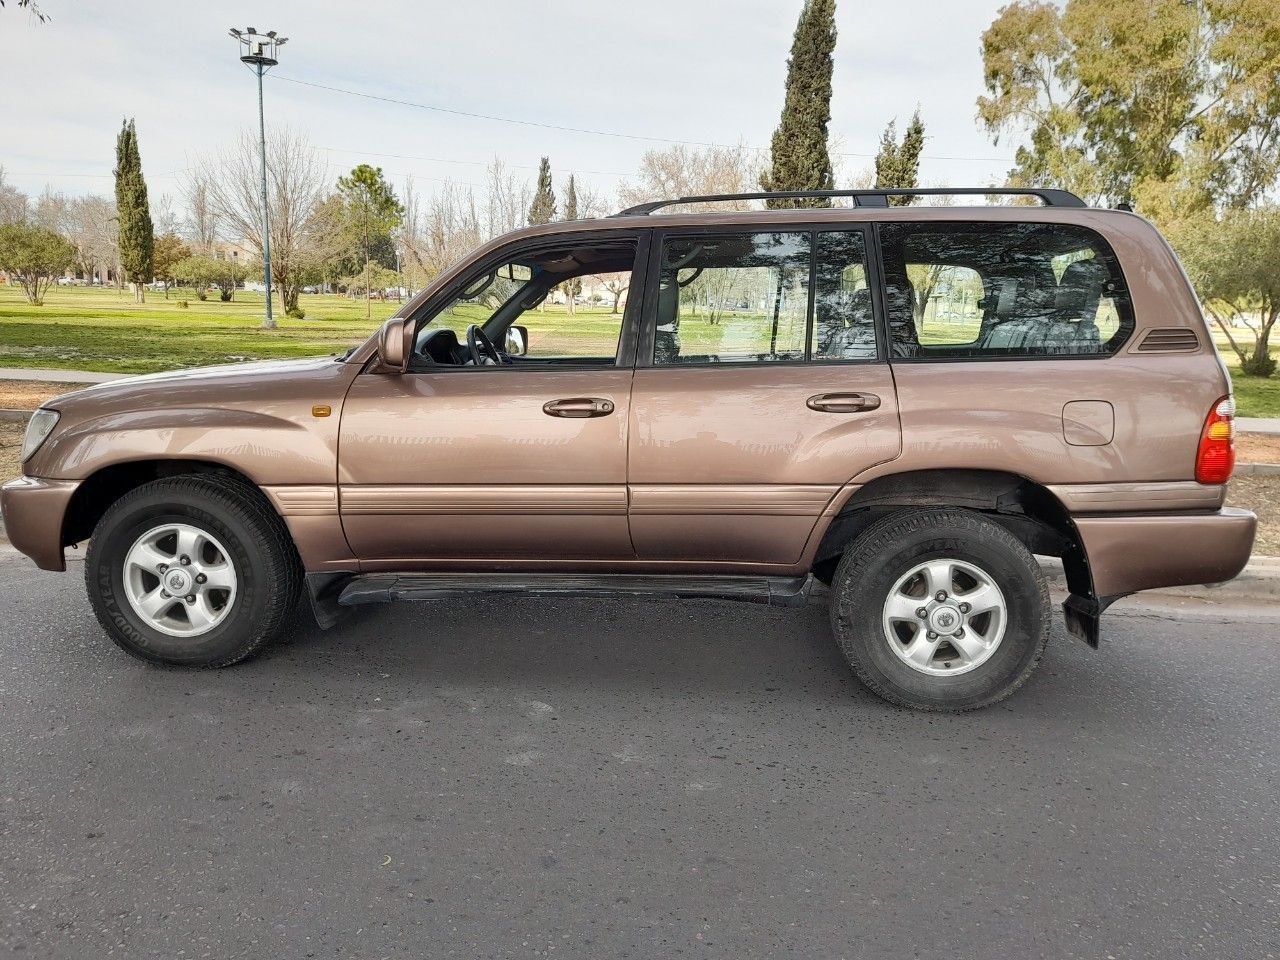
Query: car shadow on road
703	649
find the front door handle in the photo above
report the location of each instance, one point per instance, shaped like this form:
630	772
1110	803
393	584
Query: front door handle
578	407
843	402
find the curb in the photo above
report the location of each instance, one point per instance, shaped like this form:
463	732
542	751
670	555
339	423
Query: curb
14	416
1257	469
1259	582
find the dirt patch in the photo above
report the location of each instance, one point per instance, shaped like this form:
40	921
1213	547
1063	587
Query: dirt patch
10	449
1257	448
1262	496
29	394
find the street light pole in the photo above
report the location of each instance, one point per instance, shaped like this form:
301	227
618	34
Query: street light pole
259	54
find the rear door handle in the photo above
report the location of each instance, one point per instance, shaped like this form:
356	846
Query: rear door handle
578	407
843	402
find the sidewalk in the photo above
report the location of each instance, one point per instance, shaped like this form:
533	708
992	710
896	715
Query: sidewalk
1266	425
73	376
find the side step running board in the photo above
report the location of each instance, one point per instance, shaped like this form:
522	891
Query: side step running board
383	588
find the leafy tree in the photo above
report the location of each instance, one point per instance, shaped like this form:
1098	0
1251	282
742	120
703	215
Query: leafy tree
169	251
34	7
898	164
137	238
371	211
35	256
543	207
1114	95
1234	263
375	278
202	272
800	160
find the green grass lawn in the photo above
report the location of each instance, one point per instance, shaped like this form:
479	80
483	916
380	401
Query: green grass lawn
81	328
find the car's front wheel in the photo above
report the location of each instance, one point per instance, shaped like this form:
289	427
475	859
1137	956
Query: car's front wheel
940	609
192	571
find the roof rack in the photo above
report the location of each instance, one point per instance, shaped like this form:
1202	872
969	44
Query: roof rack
868	198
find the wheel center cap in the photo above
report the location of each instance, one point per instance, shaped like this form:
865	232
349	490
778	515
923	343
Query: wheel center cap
178	582
944	619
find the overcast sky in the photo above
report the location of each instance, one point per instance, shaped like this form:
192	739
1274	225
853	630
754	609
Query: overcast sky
694	70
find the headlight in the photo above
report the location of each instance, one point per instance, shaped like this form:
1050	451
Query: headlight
39	427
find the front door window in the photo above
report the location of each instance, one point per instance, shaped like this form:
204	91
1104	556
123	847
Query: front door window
549	306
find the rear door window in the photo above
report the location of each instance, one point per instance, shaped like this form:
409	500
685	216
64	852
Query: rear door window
987	290
738	298
764	297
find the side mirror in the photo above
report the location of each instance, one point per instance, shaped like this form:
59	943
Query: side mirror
517	344
393	344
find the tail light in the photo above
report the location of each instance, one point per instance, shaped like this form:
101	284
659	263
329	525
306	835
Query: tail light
1216	457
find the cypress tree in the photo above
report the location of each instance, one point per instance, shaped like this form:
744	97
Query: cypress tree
137	237
571	200
572	287
543	208
898	164
800	160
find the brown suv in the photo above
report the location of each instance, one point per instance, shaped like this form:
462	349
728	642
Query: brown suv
902	403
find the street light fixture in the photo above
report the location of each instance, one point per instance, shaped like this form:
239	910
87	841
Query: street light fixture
259	51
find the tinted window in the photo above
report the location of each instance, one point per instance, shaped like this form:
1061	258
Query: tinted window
744	298
1002	289
844	326
737	298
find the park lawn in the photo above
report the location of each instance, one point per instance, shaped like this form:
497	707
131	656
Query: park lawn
80	328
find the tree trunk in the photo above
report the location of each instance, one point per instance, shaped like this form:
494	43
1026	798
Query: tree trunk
289	290
1260	363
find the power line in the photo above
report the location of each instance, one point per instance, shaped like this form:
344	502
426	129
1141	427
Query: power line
586	130
469	163
486	116
100	176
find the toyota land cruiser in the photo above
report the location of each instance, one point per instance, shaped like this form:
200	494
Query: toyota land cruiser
902	403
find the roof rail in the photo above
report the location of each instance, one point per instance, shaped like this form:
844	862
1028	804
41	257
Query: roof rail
868	198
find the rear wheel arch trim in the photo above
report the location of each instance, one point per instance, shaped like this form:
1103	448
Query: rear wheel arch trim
1000	495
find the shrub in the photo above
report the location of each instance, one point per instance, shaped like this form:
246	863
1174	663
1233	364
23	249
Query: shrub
34	256
182	304
225	295
295	313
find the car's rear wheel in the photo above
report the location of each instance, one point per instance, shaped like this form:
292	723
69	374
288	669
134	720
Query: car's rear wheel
940	609
192	571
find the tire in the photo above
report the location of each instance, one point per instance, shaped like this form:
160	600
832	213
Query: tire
912	660
250	569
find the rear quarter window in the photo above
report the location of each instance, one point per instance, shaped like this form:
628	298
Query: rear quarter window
990	290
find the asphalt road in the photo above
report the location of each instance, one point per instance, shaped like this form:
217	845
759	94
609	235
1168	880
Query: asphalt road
643	780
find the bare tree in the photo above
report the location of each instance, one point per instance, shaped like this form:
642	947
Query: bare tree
681	171
507	200
616	284
50	211
297	183
164	217
201	228
450	229
90	225
14	205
